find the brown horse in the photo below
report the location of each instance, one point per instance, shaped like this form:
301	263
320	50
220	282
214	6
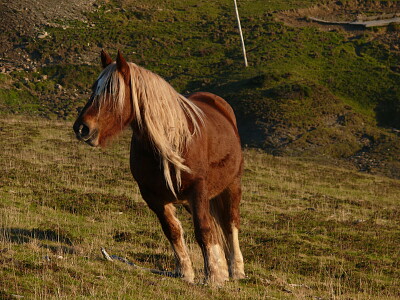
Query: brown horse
183	151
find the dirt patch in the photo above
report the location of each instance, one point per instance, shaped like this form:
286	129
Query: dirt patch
22	19
352	11
337	11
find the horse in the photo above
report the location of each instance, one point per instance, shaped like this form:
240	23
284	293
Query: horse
184	150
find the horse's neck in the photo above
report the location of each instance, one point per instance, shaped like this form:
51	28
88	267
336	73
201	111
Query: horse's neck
140	139
144	153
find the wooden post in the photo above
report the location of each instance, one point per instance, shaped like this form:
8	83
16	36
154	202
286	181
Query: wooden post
241	34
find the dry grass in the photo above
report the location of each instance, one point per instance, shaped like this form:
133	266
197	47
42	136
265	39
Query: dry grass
309	231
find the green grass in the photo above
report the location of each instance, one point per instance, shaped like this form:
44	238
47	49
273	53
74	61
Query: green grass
195	45
308	230
292	99
18	101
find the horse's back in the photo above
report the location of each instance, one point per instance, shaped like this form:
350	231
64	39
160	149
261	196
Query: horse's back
217	103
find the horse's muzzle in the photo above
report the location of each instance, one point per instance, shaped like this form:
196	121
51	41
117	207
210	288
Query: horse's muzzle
83	133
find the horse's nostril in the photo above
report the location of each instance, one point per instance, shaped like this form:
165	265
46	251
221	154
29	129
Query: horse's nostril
84	130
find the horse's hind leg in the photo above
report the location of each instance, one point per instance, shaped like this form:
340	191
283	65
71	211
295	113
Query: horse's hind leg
215	266
173	231
227	207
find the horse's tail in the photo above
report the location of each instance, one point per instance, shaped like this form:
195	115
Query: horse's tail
220	222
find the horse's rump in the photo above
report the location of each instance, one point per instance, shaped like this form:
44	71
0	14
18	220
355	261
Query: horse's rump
216	102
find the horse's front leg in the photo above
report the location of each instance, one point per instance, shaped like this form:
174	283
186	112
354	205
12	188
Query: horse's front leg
173	231
209	239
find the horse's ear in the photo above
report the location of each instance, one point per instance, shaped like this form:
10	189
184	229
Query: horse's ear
105	59
122	65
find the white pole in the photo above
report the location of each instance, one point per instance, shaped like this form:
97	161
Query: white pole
241	34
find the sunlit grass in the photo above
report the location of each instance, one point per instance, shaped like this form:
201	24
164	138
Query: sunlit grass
308	229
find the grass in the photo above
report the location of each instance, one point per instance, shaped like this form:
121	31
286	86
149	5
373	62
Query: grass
301	84
308	230
156	35
16	100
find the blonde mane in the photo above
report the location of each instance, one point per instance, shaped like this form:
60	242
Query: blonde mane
160	111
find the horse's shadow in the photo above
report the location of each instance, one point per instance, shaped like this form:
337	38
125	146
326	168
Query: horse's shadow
162	262
48	239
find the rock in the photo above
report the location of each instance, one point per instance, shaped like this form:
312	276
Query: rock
59	87
42	35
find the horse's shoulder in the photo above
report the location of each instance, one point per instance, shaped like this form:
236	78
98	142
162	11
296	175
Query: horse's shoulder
217	103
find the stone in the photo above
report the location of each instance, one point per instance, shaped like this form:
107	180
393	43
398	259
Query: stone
42	35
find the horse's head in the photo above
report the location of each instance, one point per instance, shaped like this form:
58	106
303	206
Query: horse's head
109	109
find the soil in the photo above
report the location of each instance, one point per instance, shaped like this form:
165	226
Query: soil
28	18
337	11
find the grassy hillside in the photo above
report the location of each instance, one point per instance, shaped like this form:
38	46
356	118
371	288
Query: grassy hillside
308	91
308	230
323	103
